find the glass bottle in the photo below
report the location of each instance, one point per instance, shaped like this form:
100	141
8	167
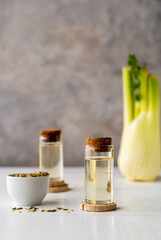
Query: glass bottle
99	165
51	153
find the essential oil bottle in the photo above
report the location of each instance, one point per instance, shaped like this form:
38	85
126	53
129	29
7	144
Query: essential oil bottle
99	164
51	153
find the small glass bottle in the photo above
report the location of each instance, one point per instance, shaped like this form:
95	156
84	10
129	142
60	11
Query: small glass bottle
99	164
51	153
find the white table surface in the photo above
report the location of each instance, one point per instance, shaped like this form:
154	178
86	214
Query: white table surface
138	216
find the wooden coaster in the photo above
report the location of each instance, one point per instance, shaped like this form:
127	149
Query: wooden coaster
56	184
60	186
98	207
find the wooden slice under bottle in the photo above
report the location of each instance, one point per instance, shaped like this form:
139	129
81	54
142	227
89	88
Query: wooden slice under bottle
98	207
60	186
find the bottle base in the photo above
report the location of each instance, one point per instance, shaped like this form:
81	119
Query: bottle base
98	201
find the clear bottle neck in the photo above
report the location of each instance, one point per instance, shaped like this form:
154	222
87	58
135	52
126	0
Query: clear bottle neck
46	140
91	151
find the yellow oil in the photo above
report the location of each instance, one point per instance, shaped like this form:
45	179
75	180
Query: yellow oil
98	180
51	160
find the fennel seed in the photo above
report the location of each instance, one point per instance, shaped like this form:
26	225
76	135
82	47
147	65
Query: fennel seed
52	210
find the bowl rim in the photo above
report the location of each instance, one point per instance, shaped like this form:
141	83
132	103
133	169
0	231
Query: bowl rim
9	176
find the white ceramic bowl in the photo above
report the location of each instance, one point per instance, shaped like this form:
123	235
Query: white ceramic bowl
27	190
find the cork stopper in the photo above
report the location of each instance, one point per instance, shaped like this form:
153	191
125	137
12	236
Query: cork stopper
99	144
50	135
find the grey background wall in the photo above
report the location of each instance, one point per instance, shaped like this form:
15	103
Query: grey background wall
60	67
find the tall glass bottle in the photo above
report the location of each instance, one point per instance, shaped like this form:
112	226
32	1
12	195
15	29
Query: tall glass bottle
99	164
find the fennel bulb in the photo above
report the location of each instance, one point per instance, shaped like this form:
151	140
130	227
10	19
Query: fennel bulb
139	155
